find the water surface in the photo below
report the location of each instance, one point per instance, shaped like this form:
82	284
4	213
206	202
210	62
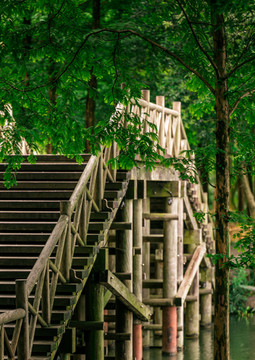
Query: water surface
242	344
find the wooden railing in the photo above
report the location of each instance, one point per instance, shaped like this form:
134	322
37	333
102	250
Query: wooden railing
55	260
7	346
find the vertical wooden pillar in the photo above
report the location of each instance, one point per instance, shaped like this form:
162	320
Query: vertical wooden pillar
180	311
137	275
124	263
169	339
206	299
22	302
146	265
65	209
80	315
192	307
95	312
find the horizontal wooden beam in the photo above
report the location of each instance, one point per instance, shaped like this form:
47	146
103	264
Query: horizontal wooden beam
156	327
111	282
161	302
160	216
190	274
153	238
118	336
87	325
153	284
117	225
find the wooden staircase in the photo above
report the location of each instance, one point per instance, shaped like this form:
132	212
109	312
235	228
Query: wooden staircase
29	213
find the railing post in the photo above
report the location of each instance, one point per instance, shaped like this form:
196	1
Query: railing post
177	107
146	97
2	342
65	209
137	274
100	182
22	302
160	100
124	264
169	338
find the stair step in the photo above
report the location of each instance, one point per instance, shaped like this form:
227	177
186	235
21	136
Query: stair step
122	175
49	332
29	250
102	215
42	175
119	185
9	301
53	158
113	194
44	346
48	167
31	204
27	226
42	185
28	195
29	215
8	287
24	238
96	225
28	262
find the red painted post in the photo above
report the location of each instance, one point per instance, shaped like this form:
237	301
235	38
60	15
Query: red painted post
137	342
169	339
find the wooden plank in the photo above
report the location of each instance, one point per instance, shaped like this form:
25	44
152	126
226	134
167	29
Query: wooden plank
163	188
159	302
87	325
111	282
161	216
192	237
191	221
153	238
190	274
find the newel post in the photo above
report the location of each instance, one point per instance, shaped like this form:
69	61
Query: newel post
65	209
22	302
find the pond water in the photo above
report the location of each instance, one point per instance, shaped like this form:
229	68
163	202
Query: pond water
242	344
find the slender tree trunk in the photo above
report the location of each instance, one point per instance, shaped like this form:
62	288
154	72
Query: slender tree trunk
249	195
221	333
240	194
52	99
90	101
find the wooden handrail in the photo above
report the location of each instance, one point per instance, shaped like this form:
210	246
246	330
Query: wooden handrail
46	252
80	187
153	106
12	315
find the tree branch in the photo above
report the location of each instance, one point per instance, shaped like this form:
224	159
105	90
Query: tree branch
196	38
236	103
127	31
240	65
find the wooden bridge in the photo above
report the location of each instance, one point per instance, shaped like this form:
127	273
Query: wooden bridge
93	259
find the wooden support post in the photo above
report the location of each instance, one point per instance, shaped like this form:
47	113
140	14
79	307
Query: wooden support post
146	265
65	209
192	307
95	312
206	299
180	312
22	302
80	315
169	340
124	264
137	275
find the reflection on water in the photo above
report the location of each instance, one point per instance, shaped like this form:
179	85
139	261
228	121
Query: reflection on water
242	344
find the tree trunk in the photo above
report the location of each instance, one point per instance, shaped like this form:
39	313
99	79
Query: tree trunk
249	195
52	98
221	325
240	194
90	101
